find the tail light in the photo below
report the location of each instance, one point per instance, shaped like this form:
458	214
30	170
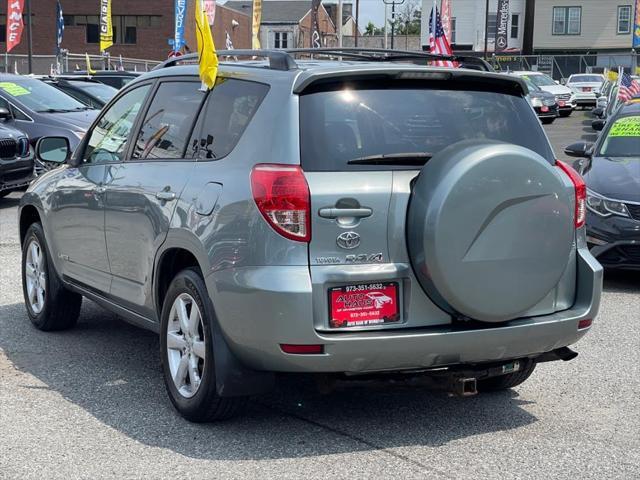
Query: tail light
581	192
282	196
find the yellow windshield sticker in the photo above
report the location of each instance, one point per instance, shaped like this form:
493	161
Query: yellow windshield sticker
14	89
626	127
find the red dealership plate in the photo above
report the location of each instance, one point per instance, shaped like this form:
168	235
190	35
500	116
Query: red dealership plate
363	305
561	103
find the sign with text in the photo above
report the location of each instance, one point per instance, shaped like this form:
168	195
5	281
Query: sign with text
14	23
502	25
180	18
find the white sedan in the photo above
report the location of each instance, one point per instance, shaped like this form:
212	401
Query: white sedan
586	88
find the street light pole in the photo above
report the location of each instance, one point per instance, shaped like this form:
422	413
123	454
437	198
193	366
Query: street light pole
357	18
339	22
486	29
30	36
393	4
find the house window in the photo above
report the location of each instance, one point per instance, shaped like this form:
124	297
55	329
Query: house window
492	25
281	40
125	27
567	20
624	19
515	24
453	30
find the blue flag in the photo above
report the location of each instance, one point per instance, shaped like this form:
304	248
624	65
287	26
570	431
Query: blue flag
180	16
60	27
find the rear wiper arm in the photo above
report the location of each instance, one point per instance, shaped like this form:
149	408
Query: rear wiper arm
409	158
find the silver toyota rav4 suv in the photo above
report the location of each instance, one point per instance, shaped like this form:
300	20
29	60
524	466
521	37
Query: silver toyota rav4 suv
337	217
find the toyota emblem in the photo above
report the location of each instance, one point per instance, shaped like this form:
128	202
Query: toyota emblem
348	240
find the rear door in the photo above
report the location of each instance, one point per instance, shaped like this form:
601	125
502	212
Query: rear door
362	147
142	192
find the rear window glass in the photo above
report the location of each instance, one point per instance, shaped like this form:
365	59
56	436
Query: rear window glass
586	79
347	124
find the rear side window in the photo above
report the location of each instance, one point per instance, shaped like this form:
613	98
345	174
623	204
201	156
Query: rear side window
229	109
167	125
348	124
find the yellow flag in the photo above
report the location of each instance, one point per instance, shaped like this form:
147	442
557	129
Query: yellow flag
90	70
106	26
255	25
207	57
613	76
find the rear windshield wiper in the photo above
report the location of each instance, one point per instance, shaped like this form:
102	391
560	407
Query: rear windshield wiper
409	158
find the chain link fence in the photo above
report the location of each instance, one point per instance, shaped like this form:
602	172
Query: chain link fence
68	62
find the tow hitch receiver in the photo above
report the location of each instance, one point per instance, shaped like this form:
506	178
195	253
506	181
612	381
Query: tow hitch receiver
464	387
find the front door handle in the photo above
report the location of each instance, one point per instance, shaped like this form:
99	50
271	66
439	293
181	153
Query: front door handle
333	212
165	196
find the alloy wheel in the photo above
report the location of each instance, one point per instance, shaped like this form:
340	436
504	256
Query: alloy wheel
36	277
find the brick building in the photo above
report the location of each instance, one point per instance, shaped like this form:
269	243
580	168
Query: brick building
142	28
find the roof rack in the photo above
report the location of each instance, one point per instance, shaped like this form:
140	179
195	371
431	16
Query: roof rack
385	55
278	59
284	59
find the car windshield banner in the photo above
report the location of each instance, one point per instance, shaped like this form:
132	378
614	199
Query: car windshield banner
178	35
14	23
636	26
315	28
502	24
106	27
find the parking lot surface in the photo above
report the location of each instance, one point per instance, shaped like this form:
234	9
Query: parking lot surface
90	403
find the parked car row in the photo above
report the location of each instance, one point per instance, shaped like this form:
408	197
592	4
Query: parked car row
32	107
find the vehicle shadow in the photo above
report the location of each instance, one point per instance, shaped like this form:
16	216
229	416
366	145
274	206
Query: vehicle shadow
621	281
111	370
9	201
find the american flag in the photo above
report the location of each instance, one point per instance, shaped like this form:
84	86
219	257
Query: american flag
438	43
629	88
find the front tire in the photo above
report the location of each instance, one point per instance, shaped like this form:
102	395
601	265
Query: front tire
49	304
510	380
186	350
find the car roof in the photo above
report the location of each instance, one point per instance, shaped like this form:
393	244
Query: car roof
104	73
630	108
310	71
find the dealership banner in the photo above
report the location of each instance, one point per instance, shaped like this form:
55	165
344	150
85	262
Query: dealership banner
14	23
636	26
315	26
106	27
502	25
180	16
255	26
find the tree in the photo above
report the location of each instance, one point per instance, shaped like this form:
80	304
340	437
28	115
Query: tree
371	29
407	21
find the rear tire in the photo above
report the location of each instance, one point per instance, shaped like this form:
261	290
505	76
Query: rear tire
547	121
49	304
566	113
186	351
510	380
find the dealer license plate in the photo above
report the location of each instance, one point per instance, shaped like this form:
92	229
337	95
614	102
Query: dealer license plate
364	305
561	103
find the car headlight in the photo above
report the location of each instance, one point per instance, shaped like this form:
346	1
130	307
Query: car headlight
79	134
536	102
604	207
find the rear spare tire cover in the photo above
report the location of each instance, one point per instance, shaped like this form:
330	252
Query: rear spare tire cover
489	229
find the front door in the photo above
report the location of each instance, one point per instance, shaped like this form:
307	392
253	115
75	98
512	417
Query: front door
143	191
78	203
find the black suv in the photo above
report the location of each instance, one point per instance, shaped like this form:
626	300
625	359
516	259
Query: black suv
16	163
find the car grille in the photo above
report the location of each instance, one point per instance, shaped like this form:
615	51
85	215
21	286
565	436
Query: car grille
634	210
622	254
8	148
565	96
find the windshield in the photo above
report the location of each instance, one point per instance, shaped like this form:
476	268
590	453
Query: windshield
623	139
99	90
38	96
585	79
532	86
540	80
348	129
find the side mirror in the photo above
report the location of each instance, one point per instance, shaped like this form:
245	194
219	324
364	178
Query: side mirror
5	114
53	149
598	125
579	149
598	111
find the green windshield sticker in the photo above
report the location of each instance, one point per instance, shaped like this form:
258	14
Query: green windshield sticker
626	127
14	89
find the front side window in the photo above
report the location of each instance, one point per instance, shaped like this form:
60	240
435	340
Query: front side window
230	108
567	20
622	139
108	139
169	120
624	19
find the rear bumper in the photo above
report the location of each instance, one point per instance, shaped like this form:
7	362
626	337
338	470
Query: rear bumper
260	308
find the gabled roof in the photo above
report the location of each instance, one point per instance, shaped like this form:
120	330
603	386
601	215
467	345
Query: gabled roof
274	11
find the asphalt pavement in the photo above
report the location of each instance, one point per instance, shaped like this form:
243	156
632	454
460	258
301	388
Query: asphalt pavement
90	403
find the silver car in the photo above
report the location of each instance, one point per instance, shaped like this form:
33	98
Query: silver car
335	218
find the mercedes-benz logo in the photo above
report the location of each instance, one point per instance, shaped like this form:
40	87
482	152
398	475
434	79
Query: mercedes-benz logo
502	42
348	240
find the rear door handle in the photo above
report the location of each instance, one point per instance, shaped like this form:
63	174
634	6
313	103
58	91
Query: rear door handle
165	196
333	212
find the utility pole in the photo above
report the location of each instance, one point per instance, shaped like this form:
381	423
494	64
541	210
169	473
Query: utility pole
393	4
486	29
357	18
29	36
